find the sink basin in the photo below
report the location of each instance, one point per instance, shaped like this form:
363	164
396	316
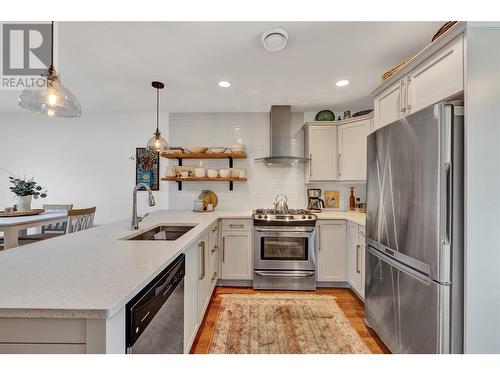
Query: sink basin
163	233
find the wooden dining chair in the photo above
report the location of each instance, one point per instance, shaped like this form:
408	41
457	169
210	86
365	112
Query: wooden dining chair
50	230
80	219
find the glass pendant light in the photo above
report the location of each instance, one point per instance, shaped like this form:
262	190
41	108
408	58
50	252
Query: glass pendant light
55	100
157	142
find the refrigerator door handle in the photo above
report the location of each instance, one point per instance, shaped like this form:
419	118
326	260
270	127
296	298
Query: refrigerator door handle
400	266
449	201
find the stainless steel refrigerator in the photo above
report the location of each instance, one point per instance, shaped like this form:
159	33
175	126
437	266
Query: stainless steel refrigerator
414	232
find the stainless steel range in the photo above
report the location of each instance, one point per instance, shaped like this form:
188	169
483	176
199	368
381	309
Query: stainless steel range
284	249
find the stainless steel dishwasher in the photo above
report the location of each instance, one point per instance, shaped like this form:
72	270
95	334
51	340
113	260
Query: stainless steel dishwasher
155	316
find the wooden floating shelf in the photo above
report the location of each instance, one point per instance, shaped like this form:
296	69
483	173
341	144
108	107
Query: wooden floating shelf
206	155
222	155
212	179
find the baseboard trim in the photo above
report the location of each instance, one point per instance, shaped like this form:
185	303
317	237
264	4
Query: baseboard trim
234	282
332	284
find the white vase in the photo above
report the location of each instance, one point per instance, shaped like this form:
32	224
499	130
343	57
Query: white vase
24	203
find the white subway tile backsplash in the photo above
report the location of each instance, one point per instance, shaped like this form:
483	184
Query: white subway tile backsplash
264	183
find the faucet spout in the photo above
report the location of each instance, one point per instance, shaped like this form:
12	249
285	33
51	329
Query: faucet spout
151	201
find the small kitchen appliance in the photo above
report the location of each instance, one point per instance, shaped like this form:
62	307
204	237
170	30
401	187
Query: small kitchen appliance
314	202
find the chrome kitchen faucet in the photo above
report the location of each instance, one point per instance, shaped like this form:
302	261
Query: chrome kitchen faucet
151	200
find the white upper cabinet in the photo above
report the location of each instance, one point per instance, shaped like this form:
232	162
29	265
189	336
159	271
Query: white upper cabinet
337	149
352	150
439	77
321	148
388	105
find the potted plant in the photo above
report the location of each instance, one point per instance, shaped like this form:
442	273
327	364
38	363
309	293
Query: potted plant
25	190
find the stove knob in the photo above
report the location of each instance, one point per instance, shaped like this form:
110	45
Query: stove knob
259	217
265	216
309	217
303	216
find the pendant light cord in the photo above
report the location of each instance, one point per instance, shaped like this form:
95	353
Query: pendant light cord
157	110
52	46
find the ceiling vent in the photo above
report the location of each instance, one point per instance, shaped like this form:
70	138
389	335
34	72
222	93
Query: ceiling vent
274	40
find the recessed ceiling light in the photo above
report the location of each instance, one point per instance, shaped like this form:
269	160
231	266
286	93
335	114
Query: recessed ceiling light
342	83
274	40
224	84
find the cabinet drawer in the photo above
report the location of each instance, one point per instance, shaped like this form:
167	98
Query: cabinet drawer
237	224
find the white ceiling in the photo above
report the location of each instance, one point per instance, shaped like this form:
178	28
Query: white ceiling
109	65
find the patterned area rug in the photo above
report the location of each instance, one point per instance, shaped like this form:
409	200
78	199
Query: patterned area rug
283	324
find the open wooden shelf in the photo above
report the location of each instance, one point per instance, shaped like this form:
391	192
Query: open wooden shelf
206	155
223	155
211	179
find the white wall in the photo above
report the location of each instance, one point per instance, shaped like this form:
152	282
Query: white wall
224	129
84	161
482	183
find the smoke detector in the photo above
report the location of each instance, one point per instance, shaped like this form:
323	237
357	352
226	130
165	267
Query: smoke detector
274	39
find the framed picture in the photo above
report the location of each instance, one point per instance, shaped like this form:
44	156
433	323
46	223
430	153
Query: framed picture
331	199
147	168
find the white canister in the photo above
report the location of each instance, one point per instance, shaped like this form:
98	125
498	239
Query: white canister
225	173
198	205
243	173
199	172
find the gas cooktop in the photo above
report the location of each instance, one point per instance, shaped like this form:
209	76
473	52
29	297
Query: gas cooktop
290	216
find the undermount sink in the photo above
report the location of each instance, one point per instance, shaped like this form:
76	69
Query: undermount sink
162	233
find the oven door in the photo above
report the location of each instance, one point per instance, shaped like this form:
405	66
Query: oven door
285	248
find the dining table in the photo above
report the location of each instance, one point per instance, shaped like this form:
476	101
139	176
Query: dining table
11	226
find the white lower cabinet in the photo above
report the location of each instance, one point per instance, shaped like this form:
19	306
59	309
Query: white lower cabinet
204	277
213	254
191	296
236	249
331	252
236	255
356	258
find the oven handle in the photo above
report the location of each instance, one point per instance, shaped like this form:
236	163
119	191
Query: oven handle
288	230
286	274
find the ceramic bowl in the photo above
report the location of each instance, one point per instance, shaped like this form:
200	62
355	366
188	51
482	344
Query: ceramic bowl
225	173
212	173
197	149
217	150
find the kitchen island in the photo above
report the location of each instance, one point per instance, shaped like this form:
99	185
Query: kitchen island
68	294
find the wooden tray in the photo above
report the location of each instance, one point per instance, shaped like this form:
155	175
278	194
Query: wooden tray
37	211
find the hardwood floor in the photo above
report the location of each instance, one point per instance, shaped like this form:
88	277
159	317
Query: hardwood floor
350	304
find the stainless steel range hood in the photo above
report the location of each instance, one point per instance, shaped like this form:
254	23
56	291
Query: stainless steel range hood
281	138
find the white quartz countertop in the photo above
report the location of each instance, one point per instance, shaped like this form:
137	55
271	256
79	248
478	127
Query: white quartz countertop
94	273
355	217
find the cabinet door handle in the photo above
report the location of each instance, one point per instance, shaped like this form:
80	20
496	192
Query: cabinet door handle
358	270
319	237
214	249
239	226
407	94
340	164
401	97
214	277
214	229
223	249
310	165
202	246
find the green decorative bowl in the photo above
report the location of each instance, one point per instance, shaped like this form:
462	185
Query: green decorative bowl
325	115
